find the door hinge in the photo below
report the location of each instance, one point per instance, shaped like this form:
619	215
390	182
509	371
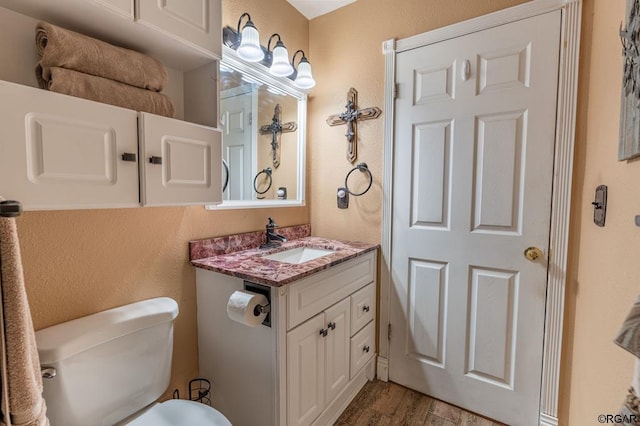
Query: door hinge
389	331
395	91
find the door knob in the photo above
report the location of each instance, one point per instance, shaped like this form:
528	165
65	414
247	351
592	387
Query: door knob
533	253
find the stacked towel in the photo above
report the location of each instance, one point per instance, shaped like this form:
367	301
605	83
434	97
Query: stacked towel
81	66
629	338
22	402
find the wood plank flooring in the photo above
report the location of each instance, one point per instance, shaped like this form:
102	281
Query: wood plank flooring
386	403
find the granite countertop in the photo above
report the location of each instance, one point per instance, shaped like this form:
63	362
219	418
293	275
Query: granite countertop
248	262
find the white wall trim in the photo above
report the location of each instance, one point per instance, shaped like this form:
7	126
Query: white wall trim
561	206
389	51
562	180
546	420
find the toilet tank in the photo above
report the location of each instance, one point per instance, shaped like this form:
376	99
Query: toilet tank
108	365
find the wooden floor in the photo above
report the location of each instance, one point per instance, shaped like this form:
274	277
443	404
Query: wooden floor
386	403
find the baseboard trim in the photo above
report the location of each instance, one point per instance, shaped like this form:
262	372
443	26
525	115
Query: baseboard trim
547	420
383	369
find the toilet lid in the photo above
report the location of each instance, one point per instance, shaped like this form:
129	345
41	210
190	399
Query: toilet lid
180	412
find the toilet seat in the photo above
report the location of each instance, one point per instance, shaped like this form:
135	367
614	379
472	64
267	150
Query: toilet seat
180	412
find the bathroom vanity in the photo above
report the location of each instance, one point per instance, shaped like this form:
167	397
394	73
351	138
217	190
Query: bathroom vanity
316	348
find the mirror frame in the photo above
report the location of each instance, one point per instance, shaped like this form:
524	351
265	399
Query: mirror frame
260	73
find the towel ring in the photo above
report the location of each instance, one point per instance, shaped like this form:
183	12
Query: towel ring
267	172
226	179
363	168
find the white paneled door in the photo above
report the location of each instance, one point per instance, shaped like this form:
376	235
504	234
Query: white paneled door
236	121
473	164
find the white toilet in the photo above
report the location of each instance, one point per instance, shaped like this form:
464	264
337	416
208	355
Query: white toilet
109	368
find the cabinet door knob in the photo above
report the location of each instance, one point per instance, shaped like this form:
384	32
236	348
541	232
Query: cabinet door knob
366	308
324	332
128	156
365	348
155	160
332	325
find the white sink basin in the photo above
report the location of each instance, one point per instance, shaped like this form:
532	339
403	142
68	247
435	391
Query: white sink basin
299	254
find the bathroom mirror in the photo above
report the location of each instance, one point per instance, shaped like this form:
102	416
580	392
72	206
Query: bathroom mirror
263	123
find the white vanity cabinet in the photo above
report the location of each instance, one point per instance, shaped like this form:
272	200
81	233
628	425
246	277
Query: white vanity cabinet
317	362
309	364
63	152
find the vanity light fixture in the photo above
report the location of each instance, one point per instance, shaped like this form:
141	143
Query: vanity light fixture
302	76
279	58
249	48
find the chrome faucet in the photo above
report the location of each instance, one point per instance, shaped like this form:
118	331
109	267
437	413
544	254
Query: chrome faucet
273	239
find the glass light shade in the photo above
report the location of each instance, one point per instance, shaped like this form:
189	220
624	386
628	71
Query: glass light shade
250	49
280	65
304	80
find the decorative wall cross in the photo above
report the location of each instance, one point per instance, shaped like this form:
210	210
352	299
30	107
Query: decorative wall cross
351	117
275	129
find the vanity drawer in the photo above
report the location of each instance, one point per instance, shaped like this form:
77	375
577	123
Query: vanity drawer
311	295
363	346
363	307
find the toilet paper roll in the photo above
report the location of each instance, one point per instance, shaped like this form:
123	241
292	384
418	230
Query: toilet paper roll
243	307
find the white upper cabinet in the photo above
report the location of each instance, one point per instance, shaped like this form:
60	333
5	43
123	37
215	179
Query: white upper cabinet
64	152
121	7
192	21
61	152
178	161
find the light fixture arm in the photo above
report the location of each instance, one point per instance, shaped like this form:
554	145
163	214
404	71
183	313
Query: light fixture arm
271	38
240	21
293	58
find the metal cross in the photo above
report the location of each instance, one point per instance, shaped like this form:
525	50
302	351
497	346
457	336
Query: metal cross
275	129
351	117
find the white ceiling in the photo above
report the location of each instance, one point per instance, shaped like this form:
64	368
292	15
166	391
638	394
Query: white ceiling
313	8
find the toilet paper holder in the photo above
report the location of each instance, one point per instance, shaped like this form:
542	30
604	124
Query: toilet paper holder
262	309
266	291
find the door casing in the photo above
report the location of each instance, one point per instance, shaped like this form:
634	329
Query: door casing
562	179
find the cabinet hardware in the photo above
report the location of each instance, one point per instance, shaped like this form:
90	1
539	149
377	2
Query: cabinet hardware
129	156
366	308
324	332
155	160
365	348
48	372
332	325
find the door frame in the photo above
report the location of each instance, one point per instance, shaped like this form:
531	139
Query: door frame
562	178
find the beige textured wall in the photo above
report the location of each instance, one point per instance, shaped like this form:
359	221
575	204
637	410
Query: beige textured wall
604	273
80	262
346	51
